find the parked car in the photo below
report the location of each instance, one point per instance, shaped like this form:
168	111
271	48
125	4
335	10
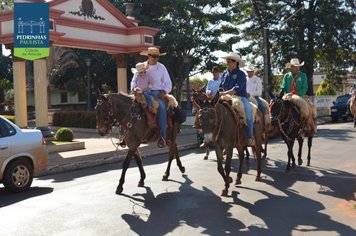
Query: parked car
339	109
23	154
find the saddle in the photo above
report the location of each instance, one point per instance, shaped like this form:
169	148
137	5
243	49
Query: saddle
307	110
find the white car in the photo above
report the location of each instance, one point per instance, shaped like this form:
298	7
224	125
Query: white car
23	154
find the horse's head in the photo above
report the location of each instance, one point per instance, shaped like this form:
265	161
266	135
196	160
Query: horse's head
276	108
104	116
206	114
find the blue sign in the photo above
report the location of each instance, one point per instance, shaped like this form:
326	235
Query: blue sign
31	30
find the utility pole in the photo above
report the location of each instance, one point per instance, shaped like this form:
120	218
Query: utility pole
266	64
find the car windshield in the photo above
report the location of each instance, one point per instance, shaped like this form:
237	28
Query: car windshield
342	99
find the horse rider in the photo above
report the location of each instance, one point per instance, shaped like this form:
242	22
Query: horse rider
161	85
234	83
295	81
254	87
213	84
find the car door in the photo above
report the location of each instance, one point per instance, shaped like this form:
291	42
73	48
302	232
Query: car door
6	139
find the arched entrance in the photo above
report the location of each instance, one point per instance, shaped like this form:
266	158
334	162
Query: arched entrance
100	27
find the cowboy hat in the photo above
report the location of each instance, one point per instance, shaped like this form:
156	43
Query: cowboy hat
294	62
152	51
235	57
140	67
250	68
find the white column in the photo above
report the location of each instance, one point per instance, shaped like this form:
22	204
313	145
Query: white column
40	90
20	100
121	64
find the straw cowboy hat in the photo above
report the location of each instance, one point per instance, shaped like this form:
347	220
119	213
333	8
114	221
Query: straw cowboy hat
250	68
235	57
152	51
140	67
294	62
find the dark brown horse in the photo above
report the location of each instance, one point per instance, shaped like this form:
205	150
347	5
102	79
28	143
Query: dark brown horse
120	109
223	129
285	115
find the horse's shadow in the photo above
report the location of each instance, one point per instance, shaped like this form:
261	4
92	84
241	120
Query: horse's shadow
289	209
161	214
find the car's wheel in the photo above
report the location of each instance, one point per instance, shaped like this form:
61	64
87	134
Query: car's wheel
18	176
334	119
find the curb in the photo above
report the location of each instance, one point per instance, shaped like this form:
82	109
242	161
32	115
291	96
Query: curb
108	160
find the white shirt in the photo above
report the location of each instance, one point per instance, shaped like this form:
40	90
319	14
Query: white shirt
160	77
254	86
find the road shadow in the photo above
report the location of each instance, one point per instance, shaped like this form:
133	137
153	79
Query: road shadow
290	210
7	198
161	214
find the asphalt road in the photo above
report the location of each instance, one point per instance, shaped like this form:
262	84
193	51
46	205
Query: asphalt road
315	200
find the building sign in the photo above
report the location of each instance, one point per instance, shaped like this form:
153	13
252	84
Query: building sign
31	30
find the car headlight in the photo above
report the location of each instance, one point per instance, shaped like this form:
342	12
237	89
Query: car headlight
334	110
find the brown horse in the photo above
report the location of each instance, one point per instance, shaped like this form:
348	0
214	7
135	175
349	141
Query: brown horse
286	116
352	107
120	109
223	129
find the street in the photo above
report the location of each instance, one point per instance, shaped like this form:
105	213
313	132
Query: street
315	200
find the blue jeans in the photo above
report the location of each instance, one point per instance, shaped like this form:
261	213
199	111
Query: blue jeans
248	110
162	111
261	108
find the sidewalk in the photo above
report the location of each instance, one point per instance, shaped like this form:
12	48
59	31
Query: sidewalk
100	150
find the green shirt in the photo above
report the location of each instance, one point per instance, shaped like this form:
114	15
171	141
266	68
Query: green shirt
301	82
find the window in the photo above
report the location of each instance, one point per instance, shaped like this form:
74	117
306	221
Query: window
148	40
6	129
51	25
64	97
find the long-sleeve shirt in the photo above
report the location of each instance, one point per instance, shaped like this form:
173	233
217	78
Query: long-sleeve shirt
160	77
301	83
213	86
142	81
235	80
254	86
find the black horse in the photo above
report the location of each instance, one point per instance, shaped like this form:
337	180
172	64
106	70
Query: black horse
285	115
120	109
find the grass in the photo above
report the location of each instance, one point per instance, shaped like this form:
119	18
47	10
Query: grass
55	142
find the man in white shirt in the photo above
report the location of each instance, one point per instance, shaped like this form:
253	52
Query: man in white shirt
161	84
213	84
254	87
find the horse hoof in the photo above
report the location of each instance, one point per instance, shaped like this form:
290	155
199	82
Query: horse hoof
119	190
258	178
300	162
165	178
308	163
182	169
224	193
230	179
238	182
206	158
141	184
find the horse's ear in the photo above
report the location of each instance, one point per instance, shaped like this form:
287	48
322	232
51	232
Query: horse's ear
216	98
203	89
197	101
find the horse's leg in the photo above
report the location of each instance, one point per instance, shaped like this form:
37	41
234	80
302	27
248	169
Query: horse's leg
247	153
138	160
170	159
265	149
206	153
310	142
241	158
219	157
300	149
291	152
228	179
125	166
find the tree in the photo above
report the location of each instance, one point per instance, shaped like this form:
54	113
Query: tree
195	28
320	33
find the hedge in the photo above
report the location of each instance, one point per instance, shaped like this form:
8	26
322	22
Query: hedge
77	119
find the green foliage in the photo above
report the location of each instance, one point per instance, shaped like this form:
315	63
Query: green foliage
326	88
64	134
78	119
198	81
